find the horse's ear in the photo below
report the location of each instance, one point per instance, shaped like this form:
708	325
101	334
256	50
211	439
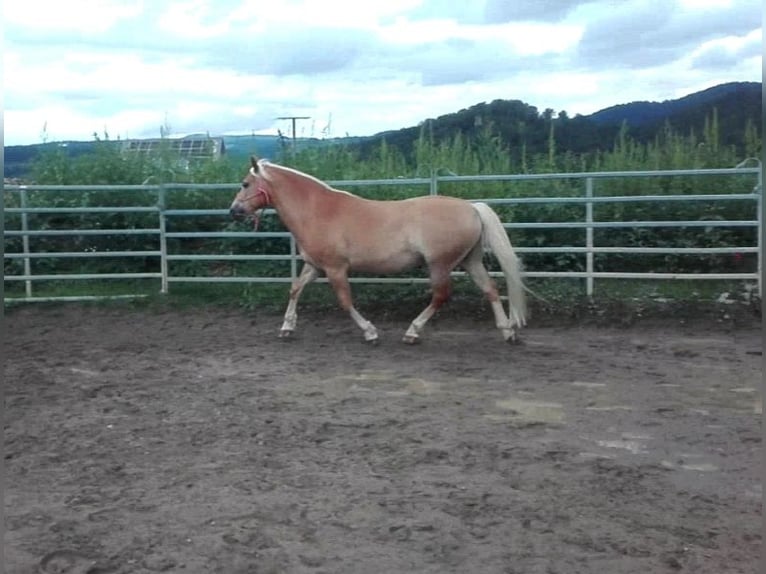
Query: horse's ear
254	162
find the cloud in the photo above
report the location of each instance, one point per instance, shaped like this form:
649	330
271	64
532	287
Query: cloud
495	11
502	11
83	16
294	50
458	61
727	53
622	37
443	52
235	65
656	32
285	50
460	12
129	94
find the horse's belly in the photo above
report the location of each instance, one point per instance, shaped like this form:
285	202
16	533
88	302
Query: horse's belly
371	262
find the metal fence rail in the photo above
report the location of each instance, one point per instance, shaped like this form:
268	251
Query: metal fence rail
165	217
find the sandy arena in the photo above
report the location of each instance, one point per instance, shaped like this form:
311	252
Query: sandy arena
143	441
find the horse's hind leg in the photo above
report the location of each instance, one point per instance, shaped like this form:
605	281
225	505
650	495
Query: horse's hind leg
475	267
440	292
307	275
339	282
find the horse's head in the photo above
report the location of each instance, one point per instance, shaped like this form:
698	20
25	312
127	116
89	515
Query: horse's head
254	194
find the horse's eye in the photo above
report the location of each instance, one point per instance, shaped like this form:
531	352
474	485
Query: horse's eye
245	184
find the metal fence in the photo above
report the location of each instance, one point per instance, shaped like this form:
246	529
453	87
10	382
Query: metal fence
751	192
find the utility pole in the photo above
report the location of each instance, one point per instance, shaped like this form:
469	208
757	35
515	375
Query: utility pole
293	118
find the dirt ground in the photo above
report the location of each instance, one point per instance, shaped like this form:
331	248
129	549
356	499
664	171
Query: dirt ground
167	441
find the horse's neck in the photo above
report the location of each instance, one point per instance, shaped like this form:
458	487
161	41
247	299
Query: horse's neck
296	198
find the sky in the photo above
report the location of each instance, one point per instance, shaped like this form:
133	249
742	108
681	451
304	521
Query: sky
135	69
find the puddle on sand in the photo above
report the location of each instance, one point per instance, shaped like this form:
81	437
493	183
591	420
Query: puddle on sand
86	372
593	455
381	381
415	387
421	386
634	443
635	436
526	411
701	467
587	385
365	381
683	464
631	446
368	376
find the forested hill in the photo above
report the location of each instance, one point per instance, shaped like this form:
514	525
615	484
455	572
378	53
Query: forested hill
735	103
520	124
738	100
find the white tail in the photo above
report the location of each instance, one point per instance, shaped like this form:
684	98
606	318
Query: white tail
495	239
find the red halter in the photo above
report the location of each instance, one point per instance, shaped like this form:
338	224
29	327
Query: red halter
260	190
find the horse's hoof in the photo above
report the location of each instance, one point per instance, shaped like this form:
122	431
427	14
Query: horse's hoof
515	341
285	334
411	339
372	342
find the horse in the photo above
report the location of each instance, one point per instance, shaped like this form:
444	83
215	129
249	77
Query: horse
338	233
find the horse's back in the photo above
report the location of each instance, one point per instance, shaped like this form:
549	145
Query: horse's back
432	213
389	235
442	227
440	216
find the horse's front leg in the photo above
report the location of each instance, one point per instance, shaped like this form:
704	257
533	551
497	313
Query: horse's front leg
306	276
339	281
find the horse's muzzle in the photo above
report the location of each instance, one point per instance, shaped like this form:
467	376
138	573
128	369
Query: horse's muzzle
237	212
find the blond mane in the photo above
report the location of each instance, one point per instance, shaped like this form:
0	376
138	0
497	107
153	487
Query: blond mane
264	163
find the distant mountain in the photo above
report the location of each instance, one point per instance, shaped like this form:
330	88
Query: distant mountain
19	158
518	124
725	97
736	104
245	146
272	147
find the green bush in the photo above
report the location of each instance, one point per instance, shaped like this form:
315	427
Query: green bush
486	154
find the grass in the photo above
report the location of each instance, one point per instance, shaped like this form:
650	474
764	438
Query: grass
555	301
103	288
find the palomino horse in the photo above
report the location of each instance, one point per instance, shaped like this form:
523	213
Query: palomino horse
338	232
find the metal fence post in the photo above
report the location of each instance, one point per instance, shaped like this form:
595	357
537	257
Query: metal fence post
25	239
760	217
161	204
589	237
293	259
29	228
